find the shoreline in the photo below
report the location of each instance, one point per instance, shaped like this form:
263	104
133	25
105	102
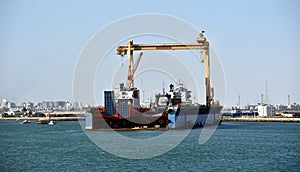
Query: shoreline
260	119
44	118
224	119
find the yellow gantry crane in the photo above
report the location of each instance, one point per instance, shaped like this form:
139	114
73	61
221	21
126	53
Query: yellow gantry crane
202	44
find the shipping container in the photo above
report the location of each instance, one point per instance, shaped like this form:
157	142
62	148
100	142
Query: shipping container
109	101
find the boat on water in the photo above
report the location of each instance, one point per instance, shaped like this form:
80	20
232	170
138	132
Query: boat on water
172	109
42	121
51	122
182	112
26	122
123	111
46	120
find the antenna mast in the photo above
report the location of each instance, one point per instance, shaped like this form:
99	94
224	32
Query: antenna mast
266	94
239	101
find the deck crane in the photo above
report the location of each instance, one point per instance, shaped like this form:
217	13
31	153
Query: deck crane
202	44
131	71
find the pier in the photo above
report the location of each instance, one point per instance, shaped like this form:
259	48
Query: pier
259	119
75	118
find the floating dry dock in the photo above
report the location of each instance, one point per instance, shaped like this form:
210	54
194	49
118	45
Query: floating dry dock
260	119
171	109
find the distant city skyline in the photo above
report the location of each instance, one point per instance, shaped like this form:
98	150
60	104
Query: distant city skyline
256	41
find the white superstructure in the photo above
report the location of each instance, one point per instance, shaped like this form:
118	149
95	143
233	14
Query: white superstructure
266	110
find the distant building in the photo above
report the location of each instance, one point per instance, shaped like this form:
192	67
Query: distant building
266	110
4	104
51	104
68	105
60	104
294	106
11	105
288	107
77	105
281	107
29	105
289	110
21	105
47	104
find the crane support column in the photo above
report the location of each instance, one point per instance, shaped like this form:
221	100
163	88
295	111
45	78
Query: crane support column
205	56
130	81
201	39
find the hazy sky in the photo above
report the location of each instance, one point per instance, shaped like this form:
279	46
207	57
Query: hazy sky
256	41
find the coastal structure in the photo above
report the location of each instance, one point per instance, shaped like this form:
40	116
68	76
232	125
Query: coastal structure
266	110
40	109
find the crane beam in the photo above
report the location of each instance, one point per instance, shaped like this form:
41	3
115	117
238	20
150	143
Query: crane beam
122	50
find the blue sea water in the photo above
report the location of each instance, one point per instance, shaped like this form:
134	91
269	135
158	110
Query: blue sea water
233	147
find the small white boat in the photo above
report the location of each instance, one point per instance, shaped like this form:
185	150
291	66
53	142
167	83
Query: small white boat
51	122
26	122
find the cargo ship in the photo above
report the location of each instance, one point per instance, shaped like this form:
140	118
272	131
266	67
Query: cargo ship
182	113
122	110
172	109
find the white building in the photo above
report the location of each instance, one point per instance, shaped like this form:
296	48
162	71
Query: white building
4	103
11	105
266	110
